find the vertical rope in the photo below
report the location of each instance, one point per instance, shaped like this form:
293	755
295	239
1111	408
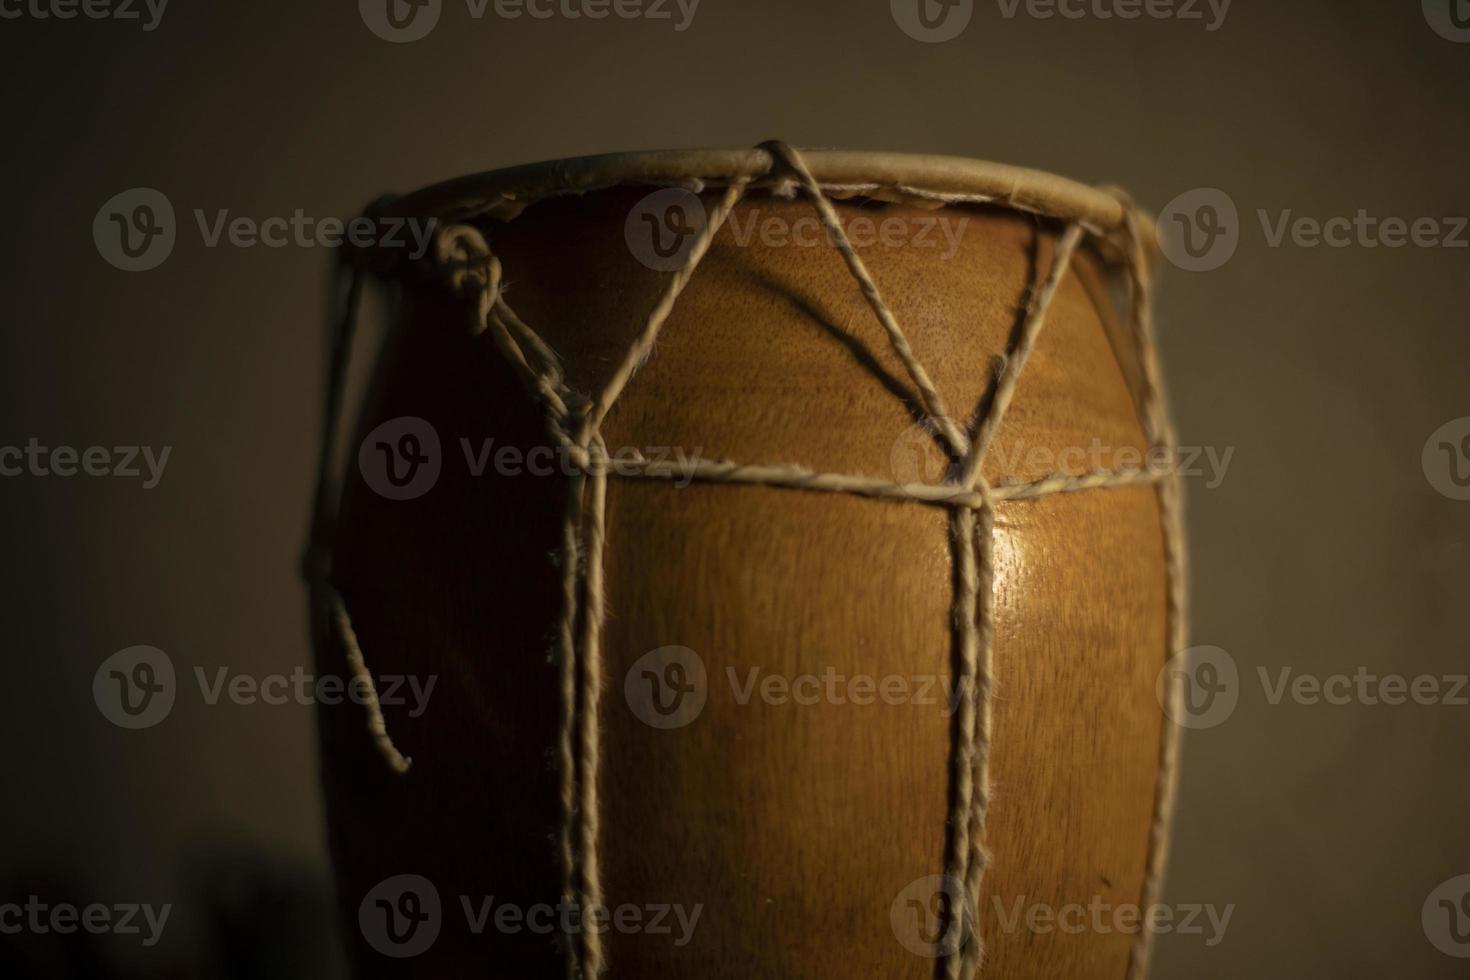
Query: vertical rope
979	857
974	613
566	659
964	759
593	956
1171	515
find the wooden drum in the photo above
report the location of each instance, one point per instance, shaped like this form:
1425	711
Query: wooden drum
790	541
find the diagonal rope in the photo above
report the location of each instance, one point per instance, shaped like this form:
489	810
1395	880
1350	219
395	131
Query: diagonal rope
642	347
377	727
932	402
1015	361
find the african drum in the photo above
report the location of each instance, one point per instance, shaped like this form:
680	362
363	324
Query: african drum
785	549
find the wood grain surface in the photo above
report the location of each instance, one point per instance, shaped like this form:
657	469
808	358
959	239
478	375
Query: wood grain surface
796	827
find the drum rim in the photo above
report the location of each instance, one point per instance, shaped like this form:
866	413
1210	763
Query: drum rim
926	180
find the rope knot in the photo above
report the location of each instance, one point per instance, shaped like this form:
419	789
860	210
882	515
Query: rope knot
469	267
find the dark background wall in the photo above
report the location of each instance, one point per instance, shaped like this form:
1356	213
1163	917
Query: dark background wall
1327	546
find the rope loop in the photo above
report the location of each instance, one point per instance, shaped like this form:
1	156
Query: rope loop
467	264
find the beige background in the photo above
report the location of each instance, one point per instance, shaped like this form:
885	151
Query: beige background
1324	549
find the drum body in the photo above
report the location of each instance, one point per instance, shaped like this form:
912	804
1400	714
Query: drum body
777	724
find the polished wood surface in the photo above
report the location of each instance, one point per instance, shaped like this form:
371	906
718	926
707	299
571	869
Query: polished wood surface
795	826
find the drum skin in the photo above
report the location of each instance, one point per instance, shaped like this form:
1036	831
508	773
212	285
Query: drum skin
795	826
